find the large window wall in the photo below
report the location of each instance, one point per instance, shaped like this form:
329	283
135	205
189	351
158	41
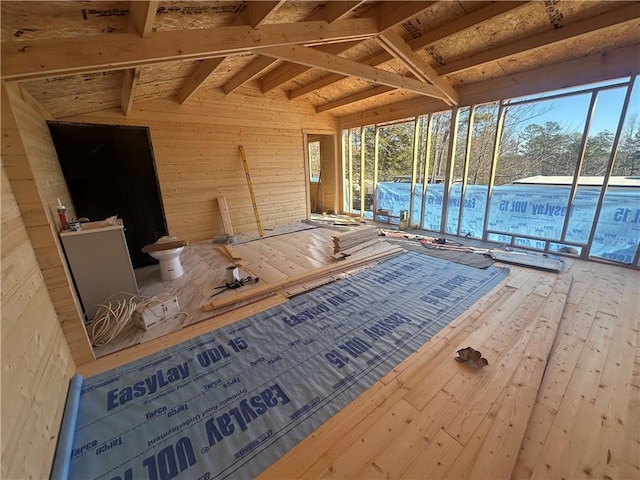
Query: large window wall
557	172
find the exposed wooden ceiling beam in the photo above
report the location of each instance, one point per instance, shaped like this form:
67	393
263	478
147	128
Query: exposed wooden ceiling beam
314	58
388	12
142	14
257	12
617	63
546	39
333	11
457	26
286	72
356	97
195	81
621	15
401	12
248	73
51	57
395	45
330	12
130	79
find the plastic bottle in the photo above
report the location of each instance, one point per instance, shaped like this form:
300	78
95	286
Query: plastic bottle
62	213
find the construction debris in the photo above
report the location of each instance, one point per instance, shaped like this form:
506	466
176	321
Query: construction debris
541	261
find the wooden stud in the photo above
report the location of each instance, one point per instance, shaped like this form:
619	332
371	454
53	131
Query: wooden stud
610	164
130	79
465	168
451	154
579	163
142	14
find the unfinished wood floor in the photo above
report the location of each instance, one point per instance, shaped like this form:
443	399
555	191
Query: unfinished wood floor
290	251
559	399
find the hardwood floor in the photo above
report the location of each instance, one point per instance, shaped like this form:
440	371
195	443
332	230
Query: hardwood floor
559	399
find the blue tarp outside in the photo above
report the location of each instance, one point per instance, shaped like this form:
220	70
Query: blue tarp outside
529	210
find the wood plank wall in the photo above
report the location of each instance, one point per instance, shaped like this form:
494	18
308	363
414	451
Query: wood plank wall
196	148
36	178
36	361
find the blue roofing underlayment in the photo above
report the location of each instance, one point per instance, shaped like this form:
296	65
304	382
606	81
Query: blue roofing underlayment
230	403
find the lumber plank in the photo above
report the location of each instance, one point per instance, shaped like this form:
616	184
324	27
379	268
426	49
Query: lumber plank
224	213
272	287
157	247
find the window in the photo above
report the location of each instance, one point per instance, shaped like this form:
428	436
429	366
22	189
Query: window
557	172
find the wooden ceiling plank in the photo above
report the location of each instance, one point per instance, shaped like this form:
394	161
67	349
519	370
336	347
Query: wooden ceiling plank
96	53
389	12
395	45
356	97
142	14
333	11
248	73
130	79
454	27
195	81
289	71
546	39
257	12
333	63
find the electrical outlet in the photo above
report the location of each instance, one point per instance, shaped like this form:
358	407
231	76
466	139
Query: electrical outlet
148	316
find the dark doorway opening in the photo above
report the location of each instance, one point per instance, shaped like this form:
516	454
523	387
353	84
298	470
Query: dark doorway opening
110	170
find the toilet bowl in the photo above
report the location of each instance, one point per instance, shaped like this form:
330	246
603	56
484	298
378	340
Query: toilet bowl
170	266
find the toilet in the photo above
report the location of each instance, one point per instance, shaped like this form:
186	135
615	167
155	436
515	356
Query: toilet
170	266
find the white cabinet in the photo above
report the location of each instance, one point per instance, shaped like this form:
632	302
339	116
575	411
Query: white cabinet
99	262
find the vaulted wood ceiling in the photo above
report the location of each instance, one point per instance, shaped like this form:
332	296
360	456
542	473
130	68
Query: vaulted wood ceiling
349	58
